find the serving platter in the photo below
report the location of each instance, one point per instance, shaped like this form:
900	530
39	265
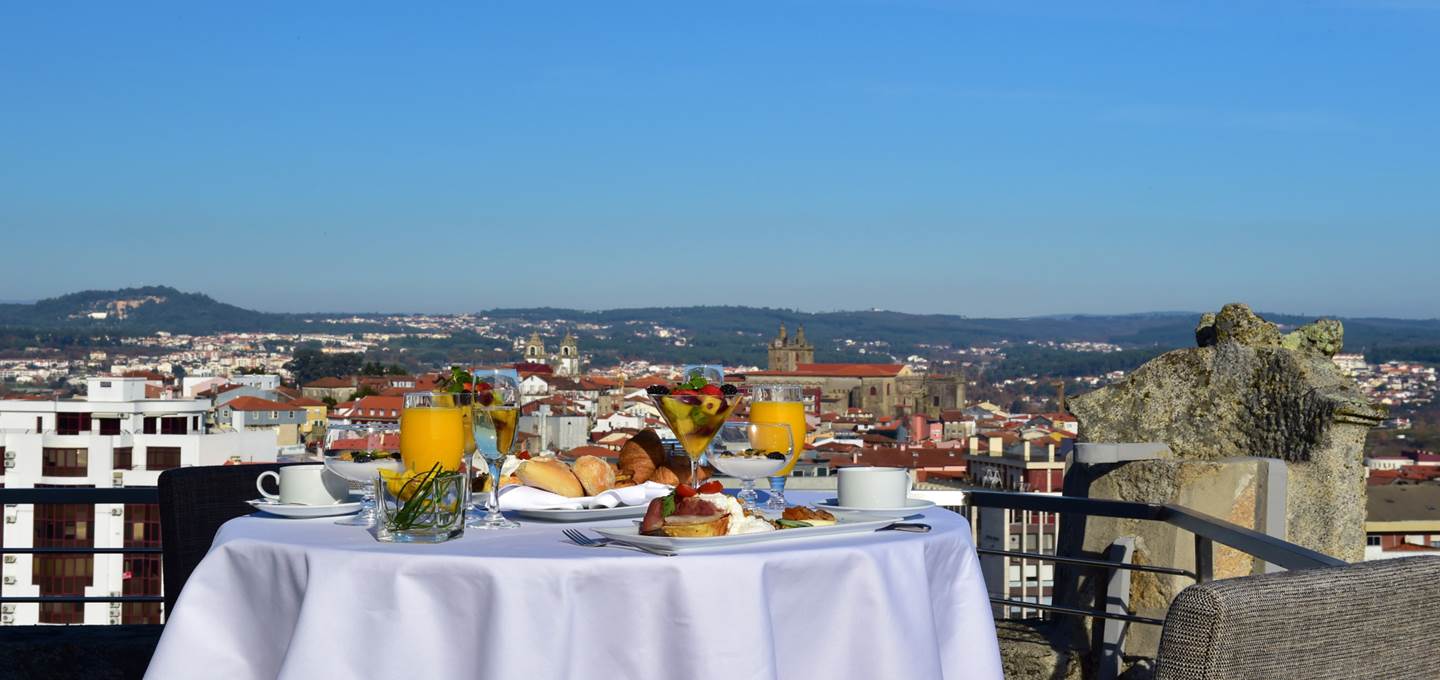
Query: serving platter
585	514
849	523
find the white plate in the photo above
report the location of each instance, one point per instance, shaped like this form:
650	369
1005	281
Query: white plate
586	515
294	510
911	505
851	523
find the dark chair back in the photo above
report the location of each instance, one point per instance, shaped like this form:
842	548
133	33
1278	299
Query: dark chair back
1366	620
194	502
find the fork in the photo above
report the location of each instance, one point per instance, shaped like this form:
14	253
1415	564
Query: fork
582	540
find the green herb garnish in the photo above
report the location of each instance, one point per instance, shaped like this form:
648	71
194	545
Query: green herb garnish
667	506
792	524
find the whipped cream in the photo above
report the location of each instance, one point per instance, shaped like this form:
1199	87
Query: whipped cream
739	522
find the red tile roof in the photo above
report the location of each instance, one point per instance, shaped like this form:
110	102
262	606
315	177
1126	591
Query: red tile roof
330	383
838	371
257	404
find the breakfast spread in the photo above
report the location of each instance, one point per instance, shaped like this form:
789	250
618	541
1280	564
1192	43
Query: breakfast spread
706	512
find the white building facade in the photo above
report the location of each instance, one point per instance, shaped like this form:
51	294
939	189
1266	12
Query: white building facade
113	437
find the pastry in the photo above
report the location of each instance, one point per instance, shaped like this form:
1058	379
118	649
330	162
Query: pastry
665	475
636	463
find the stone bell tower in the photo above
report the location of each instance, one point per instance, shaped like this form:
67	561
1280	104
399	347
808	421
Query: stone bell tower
786	352
568	363
535	349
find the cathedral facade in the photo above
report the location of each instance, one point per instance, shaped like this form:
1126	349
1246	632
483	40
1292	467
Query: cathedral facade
565	362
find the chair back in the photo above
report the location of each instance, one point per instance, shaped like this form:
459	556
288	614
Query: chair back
194	502
1366	620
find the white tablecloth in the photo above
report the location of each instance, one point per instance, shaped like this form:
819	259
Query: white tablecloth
309	600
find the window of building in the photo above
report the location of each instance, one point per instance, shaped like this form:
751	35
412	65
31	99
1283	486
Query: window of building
72	423
142	571
122	458
873	392
149	426
63	526
104	383
64	462
109	425
1372	539
39	424
174	425
194	423
162	457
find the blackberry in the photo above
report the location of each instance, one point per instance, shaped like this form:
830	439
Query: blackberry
775	455
657	389
729	390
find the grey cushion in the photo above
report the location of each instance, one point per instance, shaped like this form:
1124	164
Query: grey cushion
1368	620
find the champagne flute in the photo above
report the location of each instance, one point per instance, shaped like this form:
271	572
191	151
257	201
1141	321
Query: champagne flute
495	418
782	404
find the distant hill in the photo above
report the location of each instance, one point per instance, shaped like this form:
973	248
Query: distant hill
145	309
730	334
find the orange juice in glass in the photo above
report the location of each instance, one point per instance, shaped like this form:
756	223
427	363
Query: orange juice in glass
781	405
431	431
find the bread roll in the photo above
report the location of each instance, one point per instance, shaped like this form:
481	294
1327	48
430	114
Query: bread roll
551	475
595	475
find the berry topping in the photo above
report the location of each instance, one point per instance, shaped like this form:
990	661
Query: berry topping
712	486
657	389
729	390
685	491
712	390
523	455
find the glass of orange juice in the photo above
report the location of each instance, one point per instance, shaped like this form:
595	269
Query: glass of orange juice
781	405
431	432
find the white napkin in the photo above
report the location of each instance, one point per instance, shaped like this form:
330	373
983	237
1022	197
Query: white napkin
519	497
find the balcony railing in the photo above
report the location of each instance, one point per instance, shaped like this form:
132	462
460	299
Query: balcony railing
1207	531
79	496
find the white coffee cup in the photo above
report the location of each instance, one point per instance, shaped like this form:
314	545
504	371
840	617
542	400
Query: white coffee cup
305	485
873	487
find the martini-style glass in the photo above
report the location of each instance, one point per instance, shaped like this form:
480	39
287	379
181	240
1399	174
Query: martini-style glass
695	417
749	451
495	417
361	467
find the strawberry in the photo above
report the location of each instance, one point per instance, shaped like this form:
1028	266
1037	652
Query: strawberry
712	391
685	491
523	455
712	486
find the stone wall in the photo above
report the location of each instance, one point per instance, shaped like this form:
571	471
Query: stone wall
1245	394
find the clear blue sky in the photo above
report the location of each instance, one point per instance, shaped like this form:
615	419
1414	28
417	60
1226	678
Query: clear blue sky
982	158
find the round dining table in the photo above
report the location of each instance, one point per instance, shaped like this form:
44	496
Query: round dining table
305	599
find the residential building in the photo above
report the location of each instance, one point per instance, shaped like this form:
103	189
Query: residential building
115	436
263	415
1402	520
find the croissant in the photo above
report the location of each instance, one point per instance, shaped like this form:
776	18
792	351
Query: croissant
665	475
636	462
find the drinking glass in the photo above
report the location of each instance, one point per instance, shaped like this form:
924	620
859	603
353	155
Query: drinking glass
712	373
430	432
782	404
749	451
495	417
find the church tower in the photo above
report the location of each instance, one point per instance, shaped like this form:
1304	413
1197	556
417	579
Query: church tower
535	349
569	362
786	353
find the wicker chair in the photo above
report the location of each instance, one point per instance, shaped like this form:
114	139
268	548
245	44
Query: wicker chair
1366	620
194	502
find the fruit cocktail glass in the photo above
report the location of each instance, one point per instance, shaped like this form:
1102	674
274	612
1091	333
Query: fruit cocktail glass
695	411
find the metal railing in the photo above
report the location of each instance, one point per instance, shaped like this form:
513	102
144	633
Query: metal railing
141	495
1114	597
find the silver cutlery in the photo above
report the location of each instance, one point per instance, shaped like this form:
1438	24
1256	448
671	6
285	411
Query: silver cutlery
911	527
582	540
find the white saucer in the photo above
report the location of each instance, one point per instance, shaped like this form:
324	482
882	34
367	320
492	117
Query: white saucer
301	511
911	505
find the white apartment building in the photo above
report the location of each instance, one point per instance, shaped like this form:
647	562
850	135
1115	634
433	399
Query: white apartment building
112	437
